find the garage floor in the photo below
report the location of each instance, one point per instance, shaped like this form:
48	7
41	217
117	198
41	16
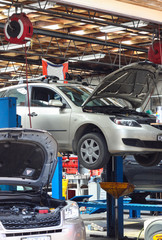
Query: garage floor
132	228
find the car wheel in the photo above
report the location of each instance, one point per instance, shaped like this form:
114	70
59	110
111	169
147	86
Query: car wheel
92	151
148	160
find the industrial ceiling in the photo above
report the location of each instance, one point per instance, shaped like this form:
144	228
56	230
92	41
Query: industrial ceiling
93	42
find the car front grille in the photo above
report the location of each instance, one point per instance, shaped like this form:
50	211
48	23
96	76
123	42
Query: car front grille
142	144
18	222
32	233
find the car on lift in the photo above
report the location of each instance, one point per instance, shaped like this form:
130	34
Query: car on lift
96	124
28	159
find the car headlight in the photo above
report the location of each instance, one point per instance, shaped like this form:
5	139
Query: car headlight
72	211
126	122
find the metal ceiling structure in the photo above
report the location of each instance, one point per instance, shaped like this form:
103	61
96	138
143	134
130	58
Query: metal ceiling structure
94	43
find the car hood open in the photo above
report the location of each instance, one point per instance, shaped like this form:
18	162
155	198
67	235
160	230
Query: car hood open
28	157
133	83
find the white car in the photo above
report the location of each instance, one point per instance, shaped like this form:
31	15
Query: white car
96	125
28	160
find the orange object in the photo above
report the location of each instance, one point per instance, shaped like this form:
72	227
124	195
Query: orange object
96	172
117	189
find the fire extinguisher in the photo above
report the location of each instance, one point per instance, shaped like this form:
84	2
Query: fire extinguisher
18	29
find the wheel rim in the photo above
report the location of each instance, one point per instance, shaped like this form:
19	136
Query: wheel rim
90	151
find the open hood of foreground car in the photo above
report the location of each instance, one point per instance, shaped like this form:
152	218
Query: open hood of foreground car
133	83
27	157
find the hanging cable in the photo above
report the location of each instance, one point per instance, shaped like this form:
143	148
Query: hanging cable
8	18
160	47
27	87
140	233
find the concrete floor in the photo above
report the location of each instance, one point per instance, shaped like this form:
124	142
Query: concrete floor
132	227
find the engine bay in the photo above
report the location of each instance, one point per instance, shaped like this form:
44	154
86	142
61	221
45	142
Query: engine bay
22	214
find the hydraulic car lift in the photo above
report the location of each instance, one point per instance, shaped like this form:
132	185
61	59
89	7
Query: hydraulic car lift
113	172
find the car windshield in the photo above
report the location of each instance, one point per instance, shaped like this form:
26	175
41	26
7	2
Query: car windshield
78	95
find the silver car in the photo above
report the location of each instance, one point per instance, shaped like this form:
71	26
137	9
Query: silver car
96	124
28	160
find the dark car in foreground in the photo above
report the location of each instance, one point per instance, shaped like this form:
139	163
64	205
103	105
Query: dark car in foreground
28	160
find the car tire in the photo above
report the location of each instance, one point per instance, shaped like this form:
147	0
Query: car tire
148	160
92	151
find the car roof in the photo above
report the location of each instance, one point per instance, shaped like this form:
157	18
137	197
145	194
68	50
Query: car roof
53	84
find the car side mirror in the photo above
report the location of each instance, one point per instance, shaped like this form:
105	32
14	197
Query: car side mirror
55	103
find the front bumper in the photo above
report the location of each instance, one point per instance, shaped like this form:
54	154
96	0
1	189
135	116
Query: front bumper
132	140
72	230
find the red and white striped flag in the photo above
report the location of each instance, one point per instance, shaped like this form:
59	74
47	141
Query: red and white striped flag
58	70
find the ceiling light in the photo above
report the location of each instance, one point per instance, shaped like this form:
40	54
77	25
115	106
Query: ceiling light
79	32
110	29
128	42
3	3
14	46
134	24
58	26
82	24
87	57
52	27
86	20
133	34
138	52
144	32
103	37
100	19
42	5
9	69
117	49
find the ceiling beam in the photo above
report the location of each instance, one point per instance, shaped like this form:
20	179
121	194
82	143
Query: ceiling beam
116	7
82	39
94	66
85	39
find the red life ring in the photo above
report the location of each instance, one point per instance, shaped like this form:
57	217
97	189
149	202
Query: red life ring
155	52
19	29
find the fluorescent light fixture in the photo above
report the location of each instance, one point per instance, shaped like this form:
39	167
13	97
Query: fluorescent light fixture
87	57
85	20
103	37
58	26
109	29
13	46
52	27
100	19
3	3
43	5
138	52
82	24
117	49
79	32
128	42
9	69
144	32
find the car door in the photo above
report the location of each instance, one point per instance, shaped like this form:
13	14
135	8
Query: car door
56	120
